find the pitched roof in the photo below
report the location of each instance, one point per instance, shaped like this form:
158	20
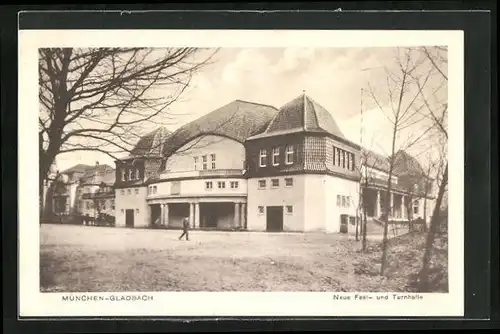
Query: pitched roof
151	144
80	168
237	120
105	174
303	114
404	163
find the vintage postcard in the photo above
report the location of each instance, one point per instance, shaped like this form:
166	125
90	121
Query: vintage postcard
241	173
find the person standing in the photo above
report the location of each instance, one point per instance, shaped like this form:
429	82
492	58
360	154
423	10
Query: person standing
185	228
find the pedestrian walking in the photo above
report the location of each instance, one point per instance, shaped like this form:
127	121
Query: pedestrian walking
185	228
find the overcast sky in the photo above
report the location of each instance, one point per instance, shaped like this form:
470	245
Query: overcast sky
333	77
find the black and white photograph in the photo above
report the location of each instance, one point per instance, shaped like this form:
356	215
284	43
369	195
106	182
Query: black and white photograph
253	163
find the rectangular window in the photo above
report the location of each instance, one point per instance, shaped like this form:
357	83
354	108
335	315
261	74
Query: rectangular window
103	204
129	192
276	156
261	210
234	184
289	155
343	158
289	182
123	174
263	158
212	158
154	189
338	201
195	160
137	191
334	154
221	184
122	192
289	209
130	174
415	207
208	185
204	159
275	183
337	155
137	174
262	184
88	205
353	165
112	204
348	156
343	202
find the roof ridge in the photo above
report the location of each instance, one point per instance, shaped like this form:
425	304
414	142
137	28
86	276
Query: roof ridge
256	103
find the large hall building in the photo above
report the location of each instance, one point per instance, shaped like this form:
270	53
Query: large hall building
249	166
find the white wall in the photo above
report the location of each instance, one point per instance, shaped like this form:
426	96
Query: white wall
197	187
229	153
337	186
134	201
281	196
314	202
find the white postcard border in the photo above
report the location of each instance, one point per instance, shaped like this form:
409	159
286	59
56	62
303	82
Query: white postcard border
34	303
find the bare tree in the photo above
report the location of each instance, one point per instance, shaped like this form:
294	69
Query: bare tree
99	99
437	57
400	106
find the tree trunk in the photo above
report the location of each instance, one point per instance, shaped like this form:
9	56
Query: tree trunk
364	229
424	272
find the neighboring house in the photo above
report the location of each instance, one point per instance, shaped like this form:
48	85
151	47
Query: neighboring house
64	195
252	166
95	193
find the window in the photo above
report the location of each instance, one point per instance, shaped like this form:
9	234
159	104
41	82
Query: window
334	154
208	185
136	210
123	174
103	205
288	182
204	159
122	192
261	210
112	204
137	174
348	160
212	158
275	183
262	184
337	156
276	156
195	160
289	155
129	192
263	158
221	184
289	209
137	191
338	200
87	205
415	207
154	189
353	164
130	174
234	184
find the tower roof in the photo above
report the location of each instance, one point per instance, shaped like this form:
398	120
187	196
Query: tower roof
151	144
303	114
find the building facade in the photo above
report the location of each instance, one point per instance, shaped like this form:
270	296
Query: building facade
249	166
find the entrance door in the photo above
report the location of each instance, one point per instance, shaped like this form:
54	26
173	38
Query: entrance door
274	218
129	218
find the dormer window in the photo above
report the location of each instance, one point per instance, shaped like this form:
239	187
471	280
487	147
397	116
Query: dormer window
137	174
289	155
276	156
263	158
130	174
123	174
